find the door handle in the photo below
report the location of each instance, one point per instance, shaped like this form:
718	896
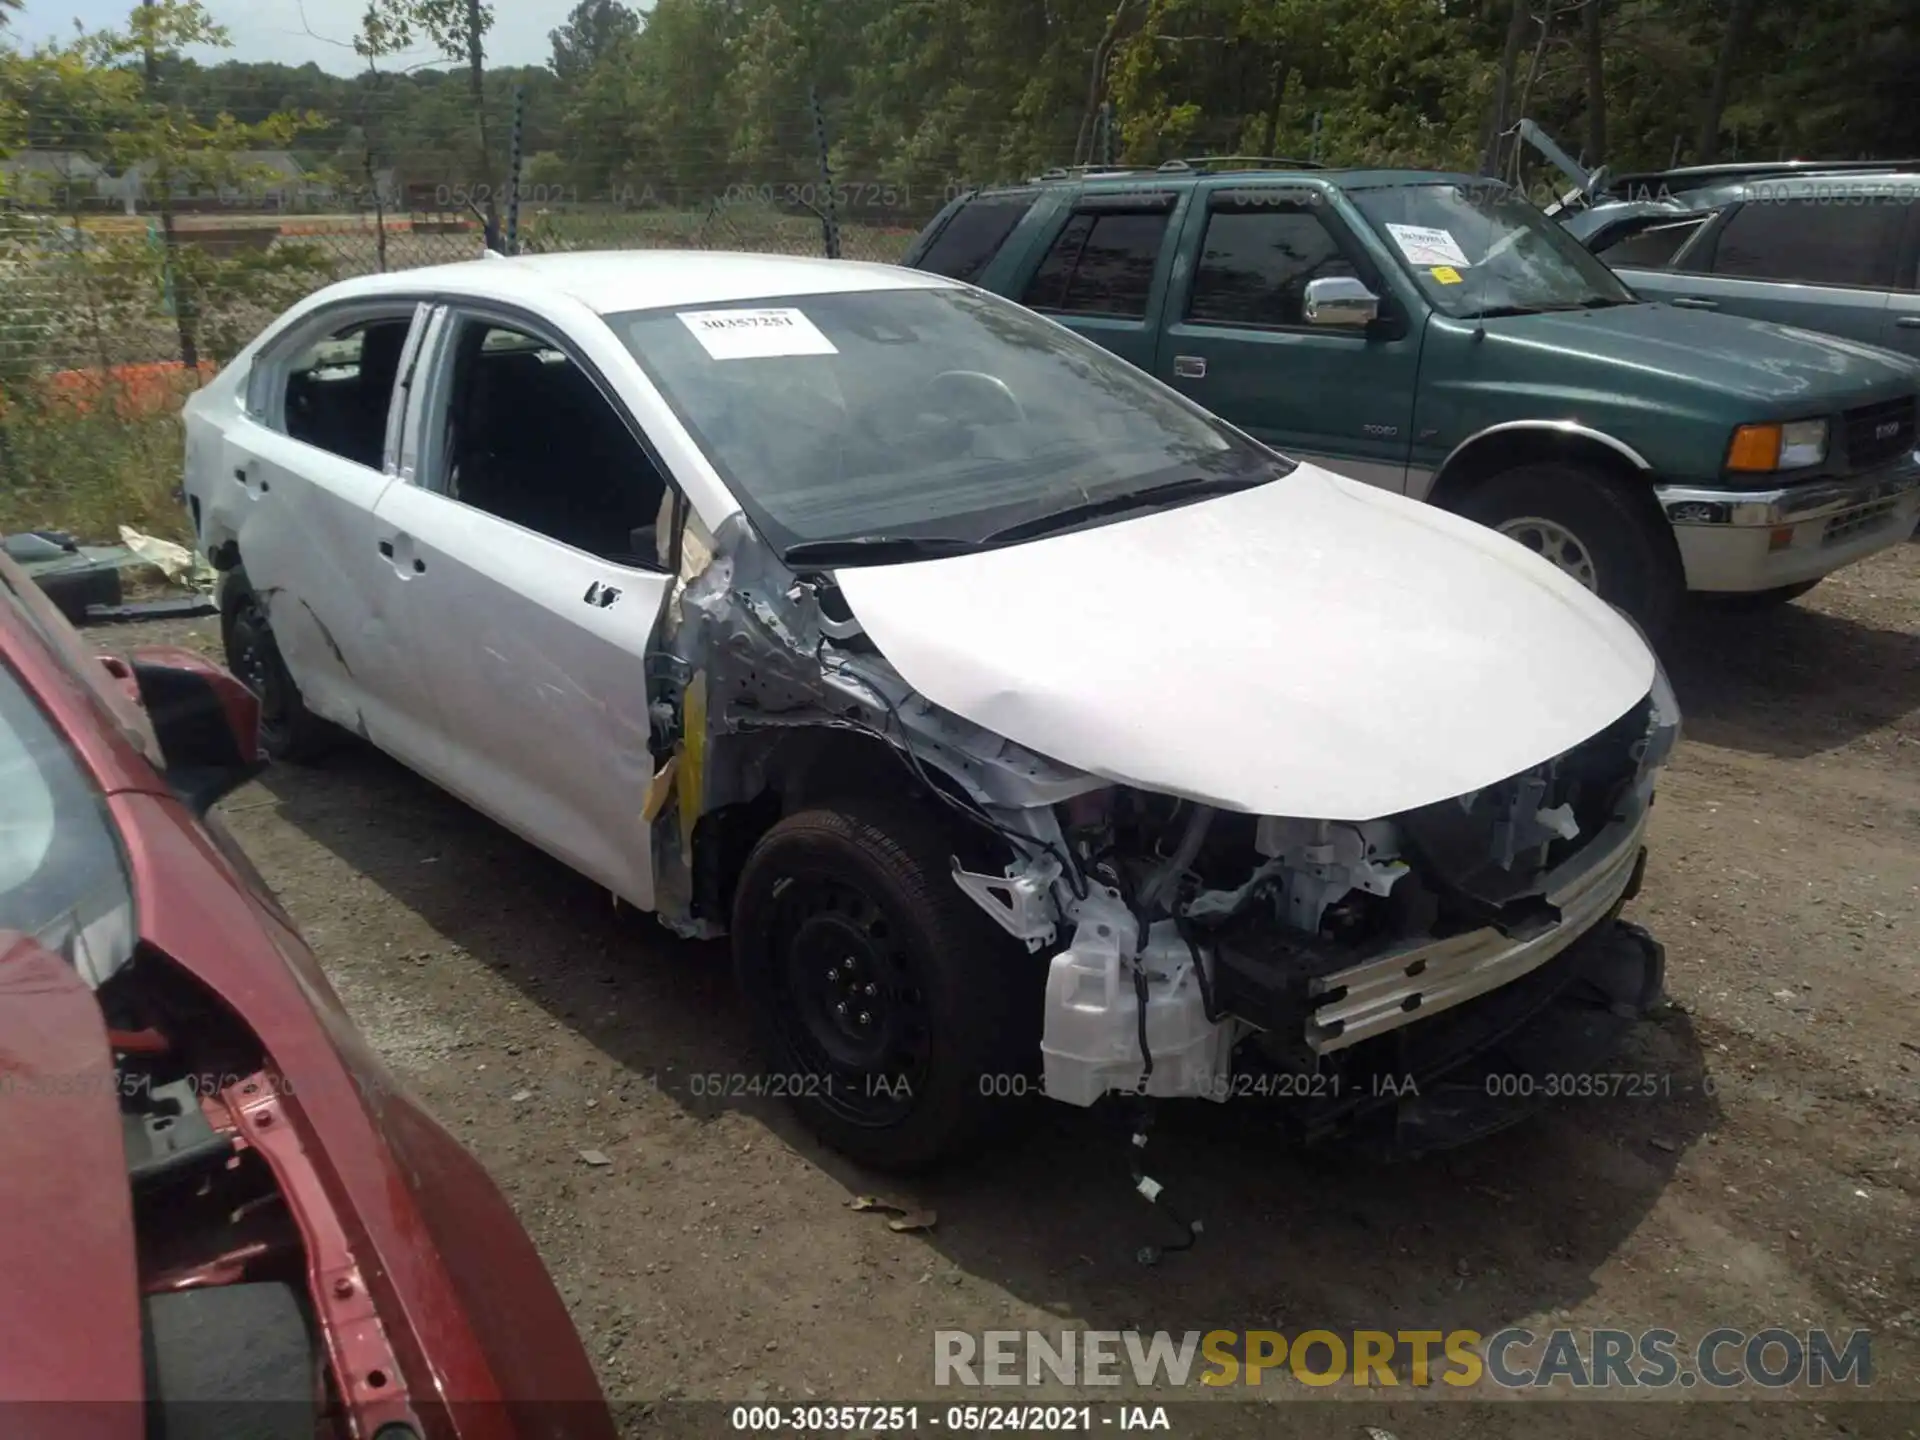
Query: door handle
240	474
1694	302
1908	322
387	552
1190	367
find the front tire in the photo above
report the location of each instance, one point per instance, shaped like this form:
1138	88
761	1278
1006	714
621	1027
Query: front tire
885	1004
288	730
1593	528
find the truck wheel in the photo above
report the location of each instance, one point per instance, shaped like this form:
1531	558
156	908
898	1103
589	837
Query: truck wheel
1743	601
1593	528
893	1015
288	730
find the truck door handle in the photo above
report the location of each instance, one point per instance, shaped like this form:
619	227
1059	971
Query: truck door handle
1190	367
1908	322
1695	302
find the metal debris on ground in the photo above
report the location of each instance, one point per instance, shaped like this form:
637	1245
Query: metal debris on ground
74	577
175	607
595	1158
903	1218
176	562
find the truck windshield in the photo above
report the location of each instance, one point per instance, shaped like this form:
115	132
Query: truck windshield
1480	250
929	417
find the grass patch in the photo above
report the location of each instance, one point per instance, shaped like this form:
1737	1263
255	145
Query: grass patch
89	458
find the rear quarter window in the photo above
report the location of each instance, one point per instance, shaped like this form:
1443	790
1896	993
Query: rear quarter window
1811	240
974	235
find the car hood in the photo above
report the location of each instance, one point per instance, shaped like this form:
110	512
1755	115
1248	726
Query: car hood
70	1307
1313	647
1776	365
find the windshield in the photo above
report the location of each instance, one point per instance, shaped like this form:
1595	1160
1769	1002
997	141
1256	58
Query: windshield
1482	250
933	414
62	885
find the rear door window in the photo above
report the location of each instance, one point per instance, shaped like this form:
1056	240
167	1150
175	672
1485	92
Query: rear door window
1815	241
974	235
339	393
1101	263
1650	247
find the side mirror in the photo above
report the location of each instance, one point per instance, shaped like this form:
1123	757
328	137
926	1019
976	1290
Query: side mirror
206	722
1341	301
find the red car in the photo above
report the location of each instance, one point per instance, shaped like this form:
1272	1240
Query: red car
219	1215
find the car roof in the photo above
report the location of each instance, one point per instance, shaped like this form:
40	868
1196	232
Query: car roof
1709	187
612	281
1700	175
1122	181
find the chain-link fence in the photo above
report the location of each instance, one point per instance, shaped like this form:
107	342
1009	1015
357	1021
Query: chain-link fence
104	269
127	282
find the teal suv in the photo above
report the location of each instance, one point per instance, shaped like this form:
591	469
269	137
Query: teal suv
1437	335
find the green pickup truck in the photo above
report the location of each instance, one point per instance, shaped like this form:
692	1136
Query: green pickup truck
1437	335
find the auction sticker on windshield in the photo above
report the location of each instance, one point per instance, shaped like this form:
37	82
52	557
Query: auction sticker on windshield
756	334
1428	245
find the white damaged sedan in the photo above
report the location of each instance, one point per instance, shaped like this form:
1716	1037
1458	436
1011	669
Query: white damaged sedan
1029	729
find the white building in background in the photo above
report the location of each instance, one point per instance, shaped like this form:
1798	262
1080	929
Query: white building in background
270	180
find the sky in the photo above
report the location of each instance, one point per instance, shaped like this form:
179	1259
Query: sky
278	29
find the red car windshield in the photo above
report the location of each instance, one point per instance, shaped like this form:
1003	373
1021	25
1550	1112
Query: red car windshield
62	882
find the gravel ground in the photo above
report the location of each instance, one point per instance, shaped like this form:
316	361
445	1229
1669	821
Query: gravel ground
1770	1177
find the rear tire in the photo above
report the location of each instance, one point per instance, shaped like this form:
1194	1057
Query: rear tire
1591	526
888	1008
288	730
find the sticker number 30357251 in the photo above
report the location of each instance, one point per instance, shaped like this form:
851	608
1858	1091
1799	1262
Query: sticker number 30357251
756	334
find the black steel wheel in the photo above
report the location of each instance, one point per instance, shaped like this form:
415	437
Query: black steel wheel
288	730
849	1002
889	1010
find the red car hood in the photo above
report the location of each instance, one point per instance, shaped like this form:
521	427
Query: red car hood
70	1288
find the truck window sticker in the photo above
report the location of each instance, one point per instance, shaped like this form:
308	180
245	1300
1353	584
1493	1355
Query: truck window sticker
1427	245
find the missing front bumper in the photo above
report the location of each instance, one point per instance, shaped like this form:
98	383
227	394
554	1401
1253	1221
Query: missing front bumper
1421	980
1510	1053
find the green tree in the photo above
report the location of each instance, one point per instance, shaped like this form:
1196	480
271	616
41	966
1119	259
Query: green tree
458	30
593	30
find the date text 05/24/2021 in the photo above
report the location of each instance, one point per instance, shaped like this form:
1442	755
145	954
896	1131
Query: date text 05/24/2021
944	1419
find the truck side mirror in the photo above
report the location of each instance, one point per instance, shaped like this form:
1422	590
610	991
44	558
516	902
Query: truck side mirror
1341	301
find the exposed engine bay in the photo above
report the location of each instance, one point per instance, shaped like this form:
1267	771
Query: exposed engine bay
240	1257
1178	934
